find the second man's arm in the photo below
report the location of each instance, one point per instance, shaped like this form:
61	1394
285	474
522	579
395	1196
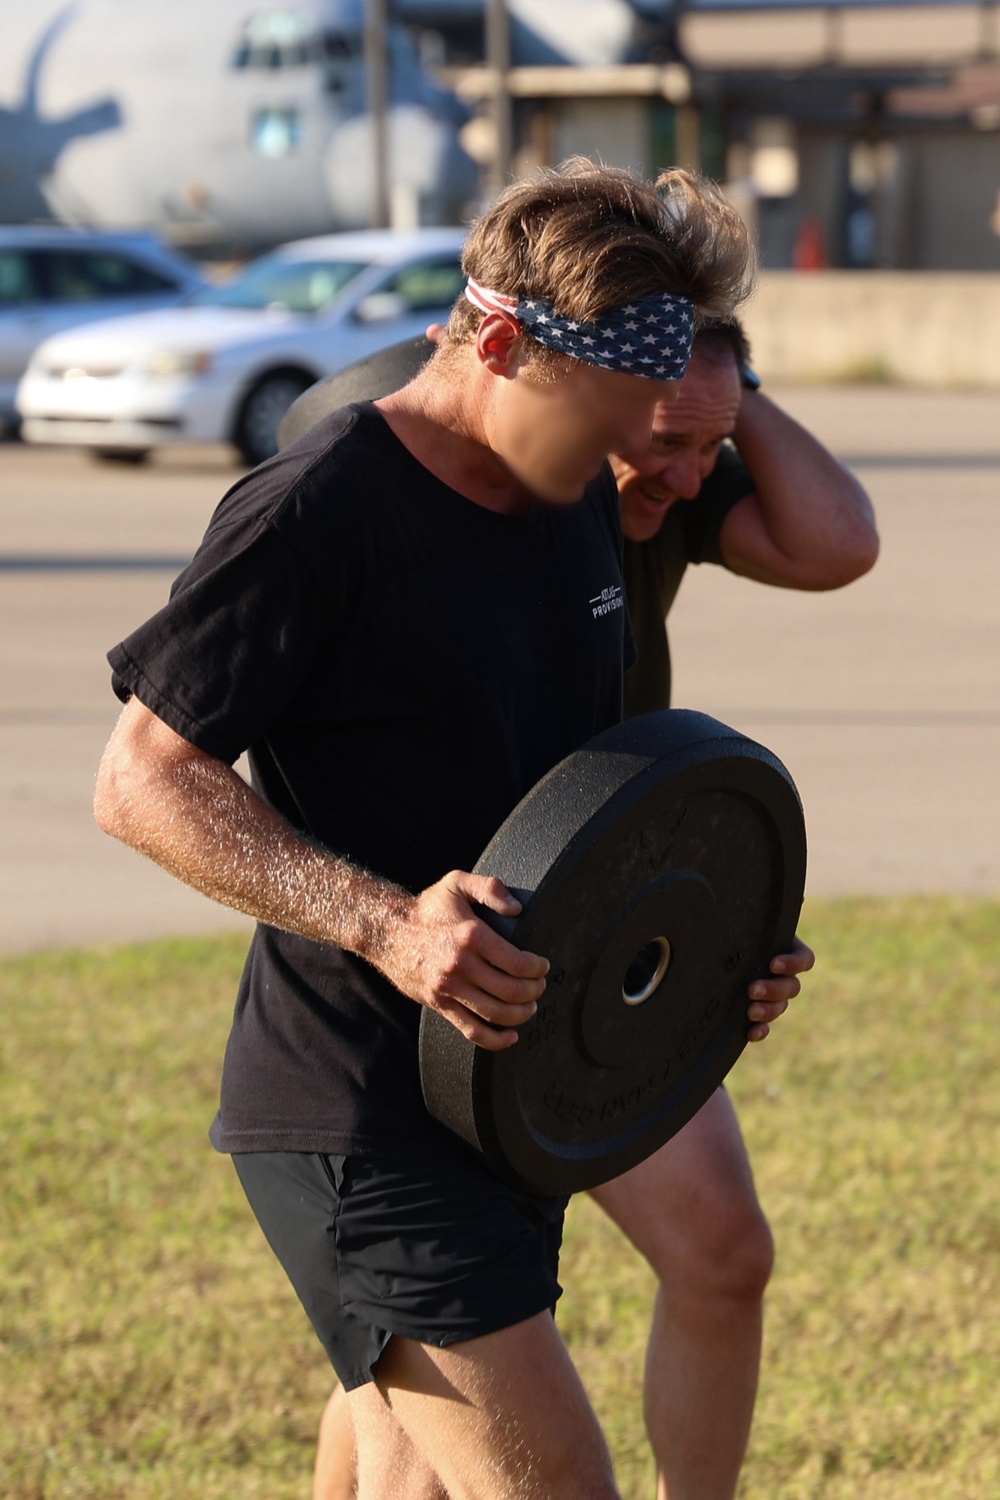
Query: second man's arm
808	524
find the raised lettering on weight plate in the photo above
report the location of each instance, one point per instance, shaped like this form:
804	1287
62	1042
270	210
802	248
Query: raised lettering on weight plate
581	1113
658	849
694	1036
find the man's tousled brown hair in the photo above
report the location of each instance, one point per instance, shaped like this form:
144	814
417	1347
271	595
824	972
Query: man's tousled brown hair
588	238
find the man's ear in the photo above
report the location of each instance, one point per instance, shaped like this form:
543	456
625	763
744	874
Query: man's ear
498	343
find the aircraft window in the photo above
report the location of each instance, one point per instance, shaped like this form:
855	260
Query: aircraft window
276	132
300	286
339	47
435	284
88	276
18	279
278	39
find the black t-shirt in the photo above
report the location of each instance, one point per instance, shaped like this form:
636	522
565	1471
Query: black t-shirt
402	666
654	569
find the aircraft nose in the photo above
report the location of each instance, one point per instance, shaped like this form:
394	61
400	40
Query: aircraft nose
432	177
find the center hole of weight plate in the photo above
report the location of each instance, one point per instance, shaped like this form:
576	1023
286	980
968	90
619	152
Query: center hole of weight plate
645	971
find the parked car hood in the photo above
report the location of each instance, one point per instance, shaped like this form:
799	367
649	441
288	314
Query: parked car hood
210	328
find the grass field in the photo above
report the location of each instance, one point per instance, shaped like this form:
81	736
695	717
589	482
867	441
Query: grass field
151	1349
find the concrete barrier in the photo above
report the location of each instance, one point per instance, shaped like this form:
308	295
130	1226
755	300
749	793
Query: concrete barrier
922	328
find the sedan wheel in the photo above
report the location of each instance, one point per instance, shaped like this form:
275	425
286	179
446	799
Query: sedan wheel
263	409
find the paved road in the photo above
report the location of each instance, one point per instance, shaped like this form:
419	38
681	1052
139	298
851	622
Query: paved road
883	699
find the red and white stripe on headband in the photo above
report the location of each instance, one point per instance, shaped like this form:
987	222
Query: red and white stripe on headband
489	301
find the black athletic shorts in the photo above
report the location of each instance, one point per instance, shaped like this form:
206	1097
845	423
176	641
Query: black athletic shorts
438	1250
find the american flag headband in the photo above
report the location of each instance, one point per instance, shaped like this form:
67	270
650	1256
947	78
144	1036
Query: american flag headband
650	337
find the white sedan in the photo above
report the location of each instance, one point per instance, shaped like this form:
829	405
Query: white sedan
227	366
53	279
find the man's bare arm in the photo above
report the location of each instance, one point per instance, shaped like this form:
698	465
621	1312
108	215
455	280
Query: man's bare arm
196	817
809	524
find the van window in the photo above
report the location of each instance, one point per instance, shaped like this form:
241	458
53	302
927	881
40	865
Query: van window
18	279
95	275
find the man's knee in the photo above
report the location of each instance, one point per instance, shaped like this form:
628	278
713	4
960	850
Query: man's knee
747	1260
723	1247
692	1209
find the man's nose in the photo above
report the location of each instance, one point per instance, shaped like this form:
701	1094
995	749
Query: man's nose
681	475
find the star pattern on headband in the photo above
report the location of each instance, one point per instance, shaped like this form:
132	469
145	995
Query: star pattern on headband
651	337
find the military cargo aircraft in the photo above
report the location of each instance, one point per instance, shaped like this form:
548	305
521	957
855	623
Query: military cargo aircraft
227	123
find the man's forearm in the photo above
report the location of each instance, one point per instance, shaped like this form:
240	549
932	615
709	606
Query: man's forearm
810	524
197	818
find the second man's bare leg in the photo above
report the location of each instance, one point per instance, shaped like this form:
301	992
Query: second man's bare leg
693	1213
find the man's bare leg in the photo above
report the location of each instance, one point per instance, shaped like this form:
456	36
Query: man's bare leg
693	1213
503	1417
336	1473
395	1470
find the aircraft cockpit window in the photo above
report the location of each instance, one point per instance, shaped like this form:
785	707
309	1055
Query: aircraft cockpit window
18	279
88	276
278	39
427	287
276	132
338	46
299	286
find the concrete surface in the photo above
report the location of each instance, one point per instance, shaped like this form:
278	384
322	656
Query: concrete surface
938	329
882	699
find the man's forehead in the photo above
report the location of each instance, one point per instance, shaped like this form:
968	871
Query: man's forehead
708	395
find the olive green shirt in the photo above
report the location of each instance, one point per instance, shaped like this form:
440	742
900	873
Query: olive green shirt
653	571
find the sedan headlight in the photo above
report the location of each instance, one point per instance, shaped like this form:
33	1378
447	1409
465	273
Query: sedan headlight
179	362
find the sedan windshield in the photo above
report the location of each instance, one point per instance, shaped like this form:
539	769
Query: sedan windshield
300	286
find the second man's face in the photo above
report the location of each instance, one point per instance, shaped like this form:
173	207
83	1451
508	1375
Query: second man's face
687	435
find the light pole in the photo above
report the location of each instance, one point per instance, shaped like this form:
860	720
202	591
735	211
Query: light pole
498	60
377	78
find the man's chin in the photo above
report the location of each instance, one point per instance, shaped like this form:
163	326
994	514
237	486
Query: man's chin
555	485
641	522
565	495
554	490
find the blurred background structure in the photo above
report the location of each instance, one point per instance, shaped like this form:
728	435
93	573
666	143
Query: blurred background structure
854	133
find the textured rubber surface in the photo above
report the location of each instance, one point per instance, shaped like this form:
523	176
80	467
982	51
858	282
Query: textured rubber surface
671	826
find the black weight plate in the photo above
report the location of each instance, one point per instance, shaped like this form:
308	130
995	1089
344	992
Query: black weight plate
367	380
669	843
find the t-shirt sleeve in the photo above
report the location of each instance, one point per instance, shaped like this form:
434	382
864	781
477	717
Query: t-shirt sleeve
229	652
728	482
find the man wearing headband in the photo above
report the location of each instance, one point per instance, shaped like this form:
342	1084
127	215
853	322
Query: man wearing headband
395	619
729	478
